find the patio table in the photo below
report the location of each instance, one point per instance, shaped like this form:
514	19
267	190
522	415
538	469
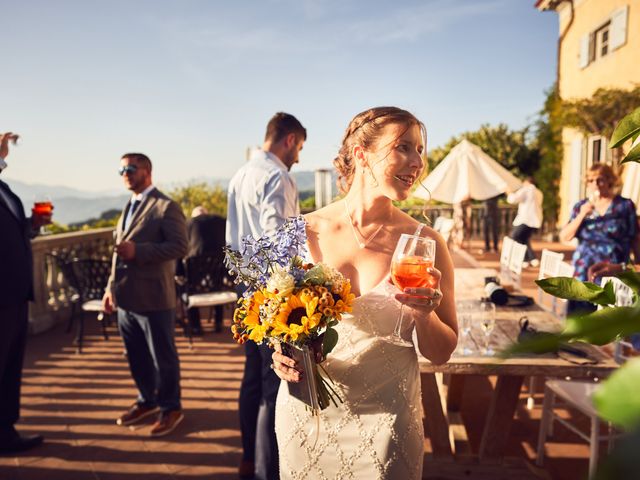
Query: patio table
510	372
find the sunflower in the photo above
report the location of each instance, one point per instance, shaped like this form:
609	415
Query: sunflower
344	302
297	316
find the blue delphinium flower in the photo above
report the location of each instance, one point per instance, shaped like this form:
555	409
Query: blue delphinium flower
254	262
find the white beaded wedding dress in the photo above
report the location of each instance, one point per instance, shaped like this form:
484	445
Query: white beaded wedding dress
377	432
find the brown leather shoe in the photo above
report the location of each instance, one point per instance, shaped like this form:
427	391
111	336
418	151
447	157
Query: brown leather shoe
166	423
246	469
136	413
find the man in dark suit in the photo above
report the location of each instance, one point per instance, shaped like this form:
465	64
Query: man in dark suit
16	289
491	226
151	235
206	233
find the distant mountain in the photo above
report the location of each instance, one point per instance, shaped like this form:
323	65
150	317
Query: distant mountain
77	210
72	205
27	191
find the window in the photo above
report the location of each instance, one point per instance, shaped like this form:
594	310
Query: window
608	37
597	151
601	41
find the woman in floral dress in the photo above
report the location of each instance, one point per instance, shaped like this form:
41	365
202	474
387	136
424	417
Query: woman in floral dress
605	225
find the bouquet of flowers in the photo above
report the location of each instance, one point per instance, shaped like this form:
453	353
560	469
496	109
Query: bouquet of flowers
291	302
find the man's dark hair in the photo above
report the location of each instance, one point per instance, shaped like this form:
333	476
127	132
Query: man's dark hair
140	158
281	125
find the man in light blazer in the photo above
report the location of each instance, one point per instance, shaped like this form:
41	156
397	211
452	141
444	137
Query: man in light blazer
150	236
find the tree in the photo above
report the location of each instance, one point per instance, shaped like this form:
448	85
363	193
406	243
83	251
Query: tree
547	141
212	197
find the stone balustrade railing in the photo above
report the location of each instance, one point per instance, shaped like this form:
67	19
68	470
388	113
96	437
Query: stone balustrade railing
53	295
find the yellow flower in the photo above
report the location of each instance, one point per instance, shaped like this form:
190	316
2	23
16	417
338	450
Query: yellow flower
297	316
345	302
252	318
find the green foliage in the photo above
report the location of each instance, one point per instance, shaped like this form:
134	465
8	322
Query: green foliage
548	141
211	197
600	113
108	218
308	203
628	129
56	228
571	289
617	399
329	342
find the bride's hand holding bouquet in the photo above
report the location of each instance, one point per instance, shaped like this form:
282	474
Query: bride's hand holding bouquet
292	304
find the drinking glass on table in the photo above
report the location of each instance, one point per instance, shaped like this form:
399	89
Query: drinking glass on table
464	309
42	207
487	313
412	259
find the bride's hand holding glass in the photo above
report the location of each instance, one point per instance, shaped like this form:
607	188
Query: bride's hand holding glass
425	299
413	273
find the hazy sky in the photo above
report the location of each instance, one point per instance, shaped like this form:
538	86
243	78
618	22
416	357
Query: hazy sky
192	83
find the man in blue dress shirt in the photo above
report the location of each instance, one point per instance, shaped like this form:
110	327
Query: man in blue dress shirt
261	196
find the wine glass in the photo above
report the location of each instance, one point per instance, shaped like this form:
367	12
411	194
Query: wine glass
487	312
412	259
464	309
42	206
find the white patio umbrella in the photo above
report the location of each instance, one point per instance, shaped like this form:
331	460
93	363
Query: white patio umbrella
467	172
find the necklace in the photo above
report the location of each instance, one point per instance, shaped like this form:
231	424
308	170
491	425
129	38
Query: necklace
356	231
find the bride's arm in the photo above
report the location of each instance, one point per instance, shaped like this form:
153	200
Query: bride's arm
434	314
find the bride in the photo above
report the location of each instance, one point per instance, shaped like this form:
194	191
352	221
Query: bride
377	432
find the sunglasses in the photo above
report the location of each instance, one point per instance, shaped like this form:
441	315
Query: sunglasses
127	169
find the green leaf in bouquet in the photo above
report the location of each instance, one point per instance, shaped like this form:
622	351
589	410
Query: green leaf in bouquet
603	326
329	342
633	155
617	399
627	129
573	289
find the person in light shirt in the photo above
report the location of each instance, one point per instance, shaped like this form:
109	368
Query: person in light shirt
529	217
261	196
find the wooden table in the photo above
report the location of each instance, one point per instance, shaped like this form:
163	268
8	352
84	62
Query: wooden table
510	372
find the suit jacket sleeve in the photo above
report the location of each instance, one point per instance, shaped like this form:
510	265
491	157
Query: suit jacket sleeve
114	258
174	244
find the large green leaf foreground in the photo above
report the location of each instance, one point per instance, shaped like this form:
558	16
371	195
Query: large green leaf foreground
615	399
628	129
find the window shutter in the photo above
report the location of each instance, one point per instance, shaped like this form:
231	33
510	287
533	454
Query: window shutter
585	43
618	30
575	170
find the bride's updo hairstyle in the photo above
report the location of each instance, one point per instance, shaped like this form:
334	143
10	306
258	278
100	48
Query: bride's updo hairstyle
365	129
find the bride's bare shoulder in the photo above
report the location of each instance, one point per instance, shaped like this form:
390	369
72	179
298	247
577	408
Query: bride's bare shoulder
323	219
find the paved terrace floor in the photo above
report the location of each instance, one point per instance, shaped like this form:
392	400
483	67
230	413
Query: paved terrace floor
73	401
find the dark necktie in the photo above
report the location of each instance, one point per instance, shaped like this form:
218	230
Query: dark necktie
134	206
